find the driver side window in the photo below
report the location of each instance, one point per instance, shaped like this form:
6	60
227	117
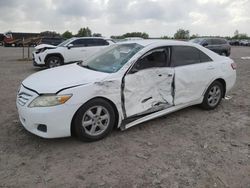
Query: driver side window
155	58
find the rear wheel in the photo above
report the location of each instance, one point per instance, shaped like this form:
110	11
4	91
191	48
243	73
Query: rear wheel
213	96
54	61
94	120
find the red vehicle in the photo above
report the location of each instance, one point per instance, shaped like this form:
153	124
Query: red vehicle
18	39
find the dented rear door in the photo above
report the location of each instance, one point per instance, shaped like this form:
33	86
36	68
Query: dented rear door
148	86
194	70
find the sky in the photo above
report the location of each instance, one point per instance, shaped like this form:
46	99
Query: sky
116	17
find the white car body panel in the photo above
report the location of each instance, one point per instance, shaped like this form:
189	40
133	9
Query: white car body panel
87	84
81	53
41	46
72	54
192	80
152	95
71	75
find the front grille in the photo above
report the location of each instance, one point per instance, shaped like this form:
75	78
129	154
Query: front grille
23	98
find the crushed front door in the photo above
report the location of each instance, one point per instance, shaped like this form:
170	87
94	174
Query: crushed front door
148	86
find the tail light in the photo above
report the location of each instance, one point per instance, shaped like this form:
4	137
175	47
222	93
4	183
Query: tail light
234	66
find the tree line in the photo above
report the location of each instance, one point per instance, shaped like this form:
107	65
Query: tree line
181	34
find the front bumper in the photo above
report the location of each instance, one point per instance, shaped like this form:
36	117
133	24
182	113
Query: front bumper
36	64
37	60
57	119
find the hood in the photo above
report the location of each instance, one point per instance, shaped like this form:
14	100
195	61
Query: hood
41	46
55	79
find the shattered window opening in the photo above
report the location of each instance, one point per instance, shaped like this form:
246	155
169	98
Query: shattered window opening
112	58
155	58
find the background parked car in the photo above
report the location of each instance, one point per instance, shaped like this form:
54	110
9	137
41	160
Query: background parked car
234	42
244	42
218	45
69	51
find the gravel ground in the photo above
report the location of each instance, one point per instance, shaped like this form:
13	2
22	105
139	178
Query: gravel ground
189	148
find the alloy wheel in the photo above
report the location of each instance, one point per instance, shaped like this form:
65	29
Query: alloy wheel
214	95
95	120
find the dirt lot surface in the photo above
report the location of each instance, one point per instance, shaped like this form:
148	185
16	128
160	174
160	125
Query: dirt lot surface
189	148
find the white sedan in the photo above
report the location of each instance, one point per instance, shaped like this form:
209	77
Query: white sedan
121	86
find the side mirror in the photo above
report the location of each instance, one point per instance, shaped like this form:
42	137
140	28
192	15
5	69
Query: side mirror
205	44
70	46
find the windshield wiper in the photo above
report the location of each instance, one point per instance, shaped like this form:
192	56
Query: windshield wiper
86	66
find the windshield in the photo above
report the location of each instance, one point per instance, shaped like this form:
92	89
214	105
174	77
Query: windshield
65	42
112	58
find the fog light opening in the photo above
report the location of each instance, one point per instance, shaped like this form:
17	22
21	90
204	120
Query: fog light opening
42	127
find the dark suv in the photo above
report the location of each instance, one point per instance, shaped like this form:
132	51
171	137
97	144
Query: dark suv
218	45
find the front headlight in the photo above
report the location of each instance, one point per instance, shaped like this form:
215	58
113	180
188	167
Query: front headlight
49	100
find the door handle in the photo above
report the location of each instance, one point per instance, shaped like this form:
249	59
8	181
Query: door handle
210	68
159	75
170	75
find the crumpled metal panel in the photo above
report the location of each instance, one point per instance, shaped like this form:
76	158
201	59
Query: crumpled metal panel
148	91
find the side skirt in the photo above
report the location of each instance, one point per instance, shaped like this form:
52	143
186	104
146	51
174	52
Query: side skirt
158	114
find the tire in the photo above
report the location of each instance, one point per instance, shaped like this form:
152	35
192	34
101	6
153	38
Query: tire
213	96
94	120
54	61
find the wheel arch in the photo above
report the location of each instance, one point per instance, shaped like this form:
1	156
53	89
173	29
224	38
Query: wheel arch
54	54
223	82
103	98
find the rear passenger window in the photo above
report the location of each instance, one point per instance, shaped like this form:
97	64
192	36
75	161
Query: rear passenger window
96	42
187	55
204	57
184	55
222	41
100	42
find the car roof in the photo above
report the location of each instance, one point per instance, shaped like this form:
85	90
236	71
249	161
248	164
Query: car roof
210	38
88	38
147	42
163	42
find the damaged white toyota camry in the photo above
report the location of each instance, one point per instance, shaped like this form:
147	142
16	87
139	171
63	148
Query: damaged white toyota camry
121	86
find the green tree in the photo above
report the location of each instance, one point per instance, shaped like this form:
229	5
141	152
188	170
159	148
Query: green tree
97	35
236	34
132	34
165	37
181	34
67	35
136	34
49	34
194	36
84	32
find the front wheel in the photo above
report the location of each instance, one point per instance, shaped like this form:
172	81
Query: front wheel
94	120
54	61
213	96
